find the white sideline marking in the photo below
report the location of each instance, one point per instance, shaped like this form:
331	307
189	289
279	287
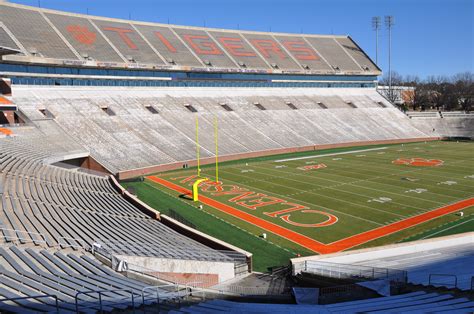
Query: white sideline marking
442	230
333	154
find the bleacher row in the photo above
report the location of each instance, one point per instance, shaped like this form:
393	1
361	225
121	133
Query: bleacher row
446	124
447	265
54	207
29	272
81	38
415	302
315	117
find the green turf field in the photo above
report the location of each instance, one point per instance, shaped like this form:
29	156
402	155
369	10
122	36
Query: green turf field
360	186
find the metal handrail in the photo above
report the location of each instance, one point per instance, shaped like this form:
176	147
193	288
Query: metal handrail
193	284
430	282
100	293
35	297
193	287
157	288
10	238
244	291
337	270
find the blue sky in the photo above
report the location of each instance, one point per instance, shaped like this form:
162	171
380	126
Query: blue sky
430	37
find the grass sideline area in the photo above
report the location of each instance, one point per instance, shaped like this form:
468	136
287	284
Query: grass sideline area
359	188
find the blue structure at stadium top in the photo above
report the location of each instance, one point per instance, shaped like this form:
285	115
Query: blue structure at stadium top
151	54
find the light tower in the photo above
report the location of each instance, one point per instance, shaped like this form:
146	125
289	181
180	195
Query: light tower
389	22
376	23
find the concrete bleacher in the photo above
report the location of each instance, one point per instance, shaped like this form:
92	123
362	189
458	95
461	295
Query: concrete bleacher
56	207
148	139
59	36
40	39
29	272
444	124
440	262
275	54
335	54
415	302
100	51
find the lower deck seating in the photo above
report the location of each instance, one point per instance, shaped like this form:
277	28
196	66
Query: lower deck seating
55	207
449	266
29	272
415	302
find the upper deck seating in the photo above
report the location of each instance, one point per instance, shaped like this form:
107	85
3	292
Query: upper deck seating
77	38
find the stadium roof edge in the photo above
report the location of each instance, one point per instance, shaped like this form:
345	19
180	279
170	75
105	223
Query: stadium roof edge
163	24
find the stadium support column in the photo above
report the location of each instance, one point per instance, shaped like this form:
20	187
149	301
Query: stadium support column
389	22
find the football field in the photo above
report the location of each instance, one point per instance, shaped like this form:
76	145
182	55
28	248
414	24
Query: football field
333	200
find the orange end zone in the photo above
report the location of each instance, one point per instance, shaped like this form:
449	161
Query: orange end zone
314	245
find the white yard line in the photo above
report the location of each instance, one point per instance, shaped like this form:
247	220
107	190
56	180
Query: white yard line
333	154
323	195
299	200
353	193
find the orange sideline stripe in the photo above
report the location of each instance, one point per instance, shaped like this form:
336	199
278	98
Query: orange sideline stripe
397	226
314	245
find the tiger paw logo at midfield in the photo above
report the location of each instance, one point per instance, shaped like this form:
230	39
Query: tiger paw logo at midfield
312	167
82	34
418	162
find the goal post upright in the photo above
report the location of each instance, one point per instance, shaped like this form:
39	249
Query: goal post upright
199	179
197	148
196	188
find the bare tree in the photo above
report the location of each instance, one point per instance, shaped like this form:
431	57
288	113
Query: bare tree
390	91
439	92
464	90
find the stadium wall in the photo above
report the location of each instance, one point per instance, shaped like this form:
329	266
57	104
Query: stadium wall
205	161
205	239
147	210
223	270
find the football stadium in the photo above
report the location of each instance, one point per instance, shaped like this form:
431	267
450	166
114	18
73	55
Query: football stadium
149	167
